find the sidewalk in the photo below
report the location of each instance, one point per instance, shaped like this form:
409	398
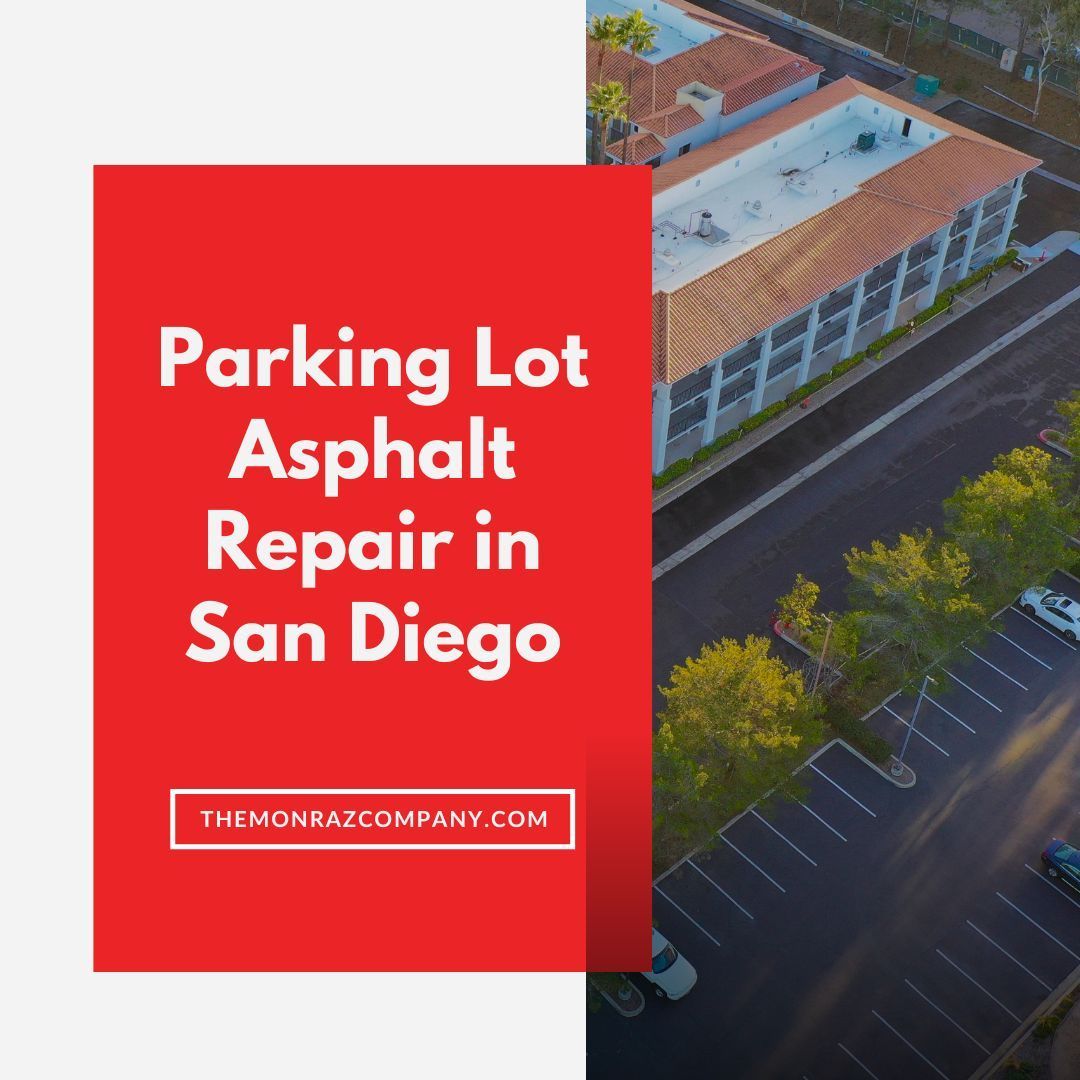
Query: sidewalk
1065	1055
1001	281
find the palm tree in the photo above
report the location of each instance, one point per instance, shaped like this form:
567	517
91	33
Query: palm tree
607	102
606	32
638	35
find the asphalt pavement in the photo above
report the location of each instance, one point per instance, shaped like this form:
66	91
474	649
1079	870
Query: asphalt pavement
868	930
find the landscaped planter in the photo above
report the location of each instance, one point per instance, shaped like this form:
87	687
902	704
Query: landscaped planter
627	1000
1054	439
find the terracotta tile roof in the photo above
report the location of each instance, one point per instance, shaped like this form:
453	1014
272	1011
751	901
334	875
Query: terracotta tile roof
710	18
717	311
673	120
642	147
728	61
950	174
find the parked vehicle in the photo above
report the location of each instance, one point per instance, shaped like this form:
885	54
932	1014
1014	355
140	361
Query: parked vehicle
1054	608
1062	862
672	974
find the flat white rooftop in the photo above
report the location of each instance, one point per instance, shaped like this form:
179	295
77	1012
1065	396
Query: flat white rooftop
678	32
752	204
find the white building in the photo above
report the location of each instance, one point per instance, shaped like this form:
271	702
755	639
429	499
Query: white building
705	77
797	240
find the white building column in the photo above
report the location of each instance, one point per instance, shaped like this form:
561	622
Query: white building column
762	373
661	414
853	318
714	399
894	295
942	237
969	247
808	344
1010	217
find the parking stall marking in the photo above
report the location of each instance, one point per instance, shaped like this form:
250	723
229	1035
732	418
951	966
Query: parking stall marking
1003	674
934	701
914	1049
971	689
916	731
1046	881
978	985
822	820
857	1061
767	877
843	791
1057	941
1023	650
723	892
783	837
688	916
939	1009
1003	952
1045	629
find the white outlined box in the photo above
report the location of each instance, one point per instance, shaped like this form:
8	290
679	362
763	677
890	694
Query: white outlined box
570	793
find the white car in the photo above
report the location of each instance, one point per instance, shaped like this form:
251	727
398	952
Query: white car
672	974
1054	608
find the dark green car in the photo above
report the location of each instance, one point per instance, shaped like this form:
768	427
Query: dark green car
1062	862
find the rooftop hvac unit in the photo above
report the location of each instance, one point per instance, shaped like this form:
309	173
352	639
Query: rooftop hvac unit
865	142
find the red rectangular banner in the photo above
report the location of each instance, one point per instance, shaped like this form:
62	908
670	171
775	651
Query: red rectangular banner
372	589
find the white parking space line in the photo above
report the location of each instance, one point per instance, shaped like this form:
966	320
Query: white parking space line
1023	650
1045	629
822	820
843	791
752	863
978	985
1060	892
939	1009
1003	674
1056	941
772	828
916	731
971	688
914	1049
857	1061
1003	952
934	701
687	916
722	892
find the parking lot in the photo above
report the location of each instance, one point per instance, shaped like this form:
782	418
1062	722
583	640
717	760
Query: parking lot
866	930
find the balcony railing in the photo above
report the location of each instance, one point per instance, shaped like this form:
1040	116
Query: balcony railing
691	417
691	392
729	397
783	363
791	333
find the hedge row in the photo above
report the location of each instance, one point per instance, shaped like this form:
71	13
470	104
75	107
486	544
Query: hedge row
940	304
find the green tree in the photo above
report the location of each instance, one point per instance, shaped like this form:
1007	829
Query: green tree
606	31
639	36
912	595
735	723
916	6
607	102
1010	523
1069	411
888	18
952	7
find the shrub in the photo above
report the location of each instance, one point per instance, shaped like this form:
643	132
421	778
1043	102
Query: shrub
1046	1027
858	733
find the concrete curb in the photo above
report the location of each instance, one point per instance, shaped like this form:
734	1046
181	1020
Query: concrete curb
1047	1005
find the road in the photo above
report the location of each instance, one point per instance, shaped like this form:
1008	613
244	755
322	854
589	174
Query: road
895	481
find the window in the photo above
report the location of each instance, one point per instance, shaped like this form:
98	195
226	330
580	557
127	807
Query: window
906	129
776	143
933	135
876	110
684	149
736	163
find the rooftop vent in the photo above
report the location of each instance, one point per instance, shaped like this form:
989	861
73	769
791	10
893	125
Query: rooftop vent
865	142
708	232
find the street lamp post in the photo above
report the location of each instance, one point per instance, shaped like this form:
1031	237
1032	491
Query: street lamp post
821	658
897	767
